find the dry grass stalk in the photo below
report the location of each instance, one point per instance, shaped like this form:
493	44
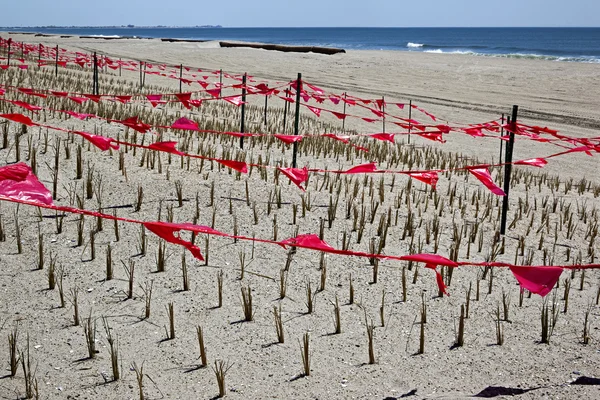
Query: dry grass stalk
139	374
139	199
283	281
40	250
220	370
247	304
549	317
278	324
109	263
200	335
499	328
351	290
404	286
31	387
567	286
52	273
336	317
74	302
309	298
171	315
382	309
586	325
129	271
184	272
14	357
18	232
505	305
460	337
305	352
370	334
114	350
220	288
89	330
147	289
161	256
179	192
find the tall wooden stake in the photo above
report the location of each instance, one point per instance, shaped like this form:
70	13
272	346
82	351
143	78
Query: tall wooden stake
297	119
508	168
8	55
95	75
56	64
242	126
141	72
383	110
180	76
344	120
410	118
501	140
266	106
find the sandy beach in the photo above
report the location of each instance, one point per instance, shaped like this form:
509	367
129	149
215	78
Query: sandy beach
459	89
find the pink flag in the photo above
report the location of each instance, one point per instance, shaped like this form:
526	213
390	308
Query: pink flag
539	280
101	142
27	188
154	99
289	139
186	124
78	100
430	177
315	110
296	175
386	137
308	241
361	169
535	162
123	99
20	118
236	165
484	177
167	147
167	231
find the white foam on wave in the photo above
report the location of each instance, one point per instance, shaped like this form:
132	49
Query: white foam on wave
440	51
414	45
105	36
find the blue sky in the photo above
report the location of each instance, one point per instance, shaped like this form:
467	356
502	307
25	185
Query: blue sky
274	13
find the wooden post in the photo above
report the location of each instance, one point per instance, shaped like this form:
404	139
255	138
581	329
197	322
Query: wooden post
297	119
56	64
242	126
501	140
508	168
344	120
409	117
39	54
8	55
22	49
141	72
266	106
145	67
221	83
180	76
383	110
120	66
95	75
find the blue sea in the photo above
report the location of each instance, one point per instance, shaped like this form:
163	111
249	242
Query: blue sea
560	44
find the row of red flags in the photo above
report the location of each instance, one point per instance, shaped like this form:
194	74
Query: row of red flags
431	132
299	176
18	184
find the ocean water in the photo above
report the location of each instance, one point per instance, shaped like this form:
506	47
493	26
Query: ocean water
560	44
